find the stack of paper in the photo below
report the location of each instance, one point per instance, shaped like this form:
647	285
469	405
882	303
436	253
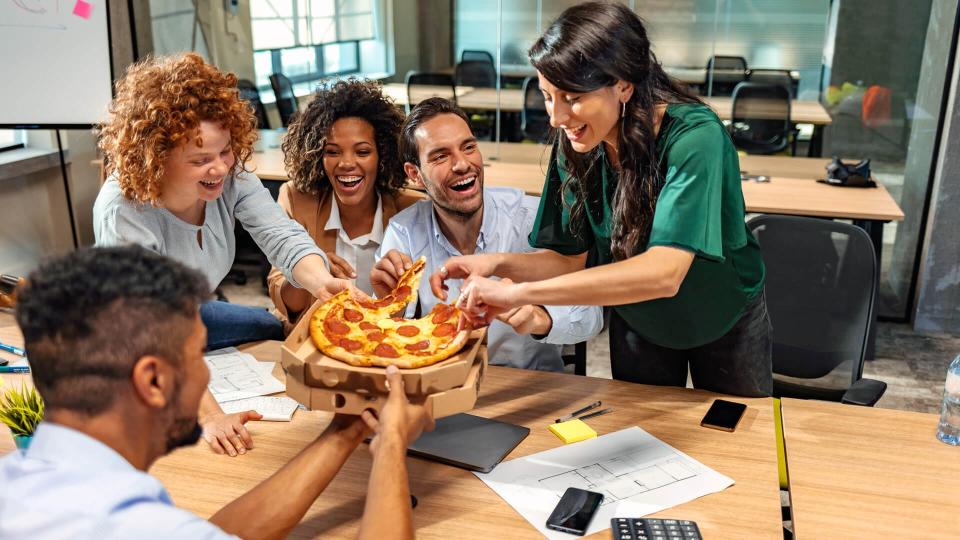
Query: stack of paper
235	375
274	409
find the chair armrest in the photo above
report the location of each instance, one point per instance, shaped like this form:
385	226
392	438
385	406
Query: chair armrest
865	392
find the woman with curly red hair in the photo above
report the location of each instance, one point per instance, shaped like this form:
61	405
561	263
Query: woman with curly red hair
346	182
176	145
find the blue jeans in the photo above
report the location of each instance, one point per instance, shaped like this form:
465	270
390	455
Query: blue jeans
232	324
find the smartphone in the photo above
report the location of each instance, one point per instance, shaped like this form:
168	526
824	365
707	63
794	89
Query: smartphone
723	415
574	511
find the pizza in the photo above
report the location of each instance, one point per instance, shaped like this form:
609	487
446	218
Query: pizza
368	333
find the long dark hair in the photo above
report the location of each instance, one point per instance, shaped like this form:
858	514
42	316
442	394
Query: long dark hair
591	46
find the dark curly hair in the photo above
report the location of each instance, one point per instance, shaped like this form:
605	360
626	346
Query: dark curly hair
566	55
307	135
159	105
87	317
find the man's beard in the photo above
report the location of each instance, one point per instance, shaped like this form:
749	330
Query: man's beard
438	196
183	432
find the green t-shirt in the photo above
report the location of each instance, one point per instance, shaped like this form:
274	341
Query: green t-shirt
700	209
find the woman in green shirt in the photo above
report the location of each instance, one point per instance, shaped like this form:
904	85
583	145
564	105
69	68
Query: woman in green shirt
646	181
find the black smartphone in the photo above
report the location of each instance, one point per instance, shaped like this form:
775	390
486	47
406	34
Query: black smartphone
574	511
723	415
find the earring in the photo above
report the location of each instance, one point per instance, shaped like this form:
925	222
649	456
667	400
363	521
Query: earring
623	109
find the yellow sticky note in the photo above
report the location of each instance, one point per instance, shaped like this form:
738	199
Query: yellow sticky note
572	431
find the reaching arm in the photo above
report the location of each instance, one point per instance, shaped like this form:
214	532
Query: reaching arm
531	266
276	505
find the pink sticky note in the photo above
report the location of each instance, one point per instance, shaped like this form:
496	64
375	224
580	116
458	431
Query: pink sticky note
82	9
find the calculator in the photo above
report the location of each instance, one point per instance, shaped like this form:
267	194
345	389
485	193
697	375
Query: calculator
654	529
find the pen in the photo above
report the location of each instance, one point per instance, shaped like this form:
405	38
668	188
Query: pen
598	413
10	348
14	369
564	418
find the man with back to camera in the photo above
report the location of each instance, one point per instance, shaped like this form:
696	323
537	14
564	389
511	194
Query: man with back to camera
442	156
116	347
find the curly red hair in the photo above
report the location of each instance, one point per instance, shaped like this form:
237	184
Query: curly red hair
159	105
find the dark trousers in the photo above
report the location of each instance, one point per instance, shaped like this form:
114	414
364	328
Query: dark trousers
739	363
232	324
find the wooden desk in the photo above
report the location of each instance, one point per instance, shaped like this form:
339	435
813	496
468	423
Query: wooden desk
859	472
453	503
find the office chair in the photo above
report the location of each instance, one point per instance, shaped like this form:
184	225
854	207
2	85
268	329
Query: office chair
534	121
821	287
475	73
578	357
417	80
476	56
250	93
728	72
780	77
760	122
287	104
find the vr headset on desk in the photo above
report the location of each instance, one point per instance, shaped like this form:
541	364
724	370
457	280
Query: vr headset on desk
848	175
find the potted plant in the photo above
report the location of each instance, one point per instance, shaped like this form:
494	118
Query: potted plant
21	410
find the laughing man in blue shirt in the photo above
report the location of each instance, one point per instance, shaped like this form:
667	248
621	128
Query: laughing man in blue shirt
461	218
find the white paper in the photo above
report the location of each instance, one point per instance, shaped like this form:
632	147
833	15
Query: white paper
637	473
275	409
236	375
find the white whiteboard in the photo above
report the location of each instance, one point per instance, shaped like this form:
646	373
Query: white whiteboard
54	62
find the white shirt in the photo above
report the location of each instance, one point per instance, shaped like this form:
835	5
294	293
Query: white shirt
68	485
359	252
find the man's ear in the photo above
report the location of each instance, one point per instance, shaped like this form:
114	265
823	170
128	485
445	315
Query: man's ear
153	381
413	173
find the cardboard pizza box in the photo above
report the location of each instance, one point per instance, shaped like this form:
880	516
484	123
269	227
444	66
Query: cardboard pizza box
323	383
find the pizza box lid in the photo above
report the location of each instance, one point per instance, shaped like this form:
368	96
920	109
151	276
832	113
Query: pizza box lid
441	404
304	362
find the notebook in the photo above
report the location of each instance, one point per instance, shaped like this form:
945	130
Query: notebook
470	442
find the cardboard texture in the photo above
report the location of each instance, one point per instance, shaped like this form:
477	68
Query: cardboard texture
322	383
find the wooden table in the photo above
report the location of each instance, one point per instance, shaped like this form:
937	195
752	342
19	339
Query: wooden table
453	503
858	472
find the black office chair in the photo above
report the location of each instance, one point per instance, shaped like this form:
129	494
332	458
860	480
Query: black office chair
577	356
287	104
476	56
821	284
728	72
534	121
249	92
780	77
475	73
760	122
420	79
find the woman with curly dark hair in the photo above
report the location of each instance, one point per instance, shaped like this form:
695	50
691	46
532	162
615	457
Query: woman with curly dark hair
645	179
176	145
346	181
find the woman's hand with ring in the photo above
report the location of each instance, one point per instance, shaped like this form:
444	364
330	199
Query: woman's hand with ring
462	268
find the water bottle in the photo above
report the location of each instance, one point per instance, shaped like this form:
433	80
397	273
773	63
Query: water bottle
948	430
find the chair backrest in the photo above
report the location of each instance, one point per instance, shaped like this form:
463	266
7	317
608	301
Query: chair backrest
423	85
760	122
779	77
475	73
534	121
724	73
287	104
250	93
476	56
821	283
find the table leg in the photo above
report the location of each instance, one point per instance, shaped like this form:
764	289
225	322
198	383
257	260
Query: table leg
816	142
874	229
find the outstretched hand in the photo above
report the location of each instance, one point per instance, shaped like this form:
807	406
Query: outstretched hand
398	418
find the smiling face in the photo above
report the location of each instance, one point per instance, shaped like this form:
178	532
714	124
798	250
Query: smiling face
587	118
194	173
451	166
350	161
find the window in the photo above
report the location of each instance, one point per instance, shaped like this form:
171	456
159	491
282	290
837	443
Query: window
10	139
308	40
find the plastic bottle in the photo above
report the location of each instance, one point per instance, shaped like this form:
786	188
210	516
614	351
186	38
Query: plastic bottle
948	430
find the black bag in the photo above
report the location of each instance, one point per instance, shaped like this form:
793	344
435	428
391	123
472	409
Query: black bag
843	174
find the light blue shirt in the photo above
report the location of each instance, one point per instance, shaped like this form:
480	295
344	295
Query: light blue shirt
68	485
508	217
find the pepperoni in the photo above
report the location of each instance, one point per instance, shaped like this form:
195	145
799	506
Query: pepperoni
445	329
376	335
385	301
334	326
386	351
408	330
419	346
397	319
352	315
364	325
441	314
403	291
350	344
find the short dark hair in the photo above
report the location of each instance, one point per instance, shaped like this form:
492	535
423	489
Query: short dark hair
88	316
425	110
